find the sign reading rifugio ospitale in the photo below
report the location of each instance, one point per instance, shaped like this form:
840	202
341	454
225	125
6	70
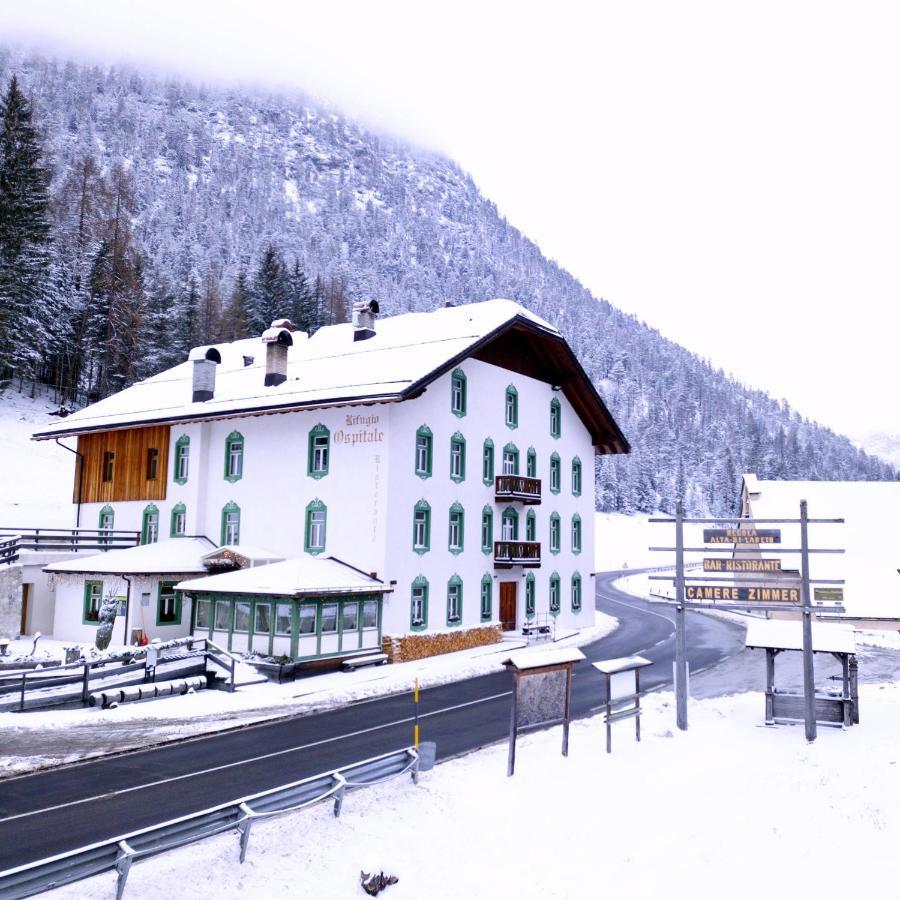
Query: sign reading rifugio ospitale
741	535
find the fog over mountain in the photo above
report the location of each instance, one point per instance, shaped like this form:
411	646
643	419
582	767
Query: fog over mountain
181	215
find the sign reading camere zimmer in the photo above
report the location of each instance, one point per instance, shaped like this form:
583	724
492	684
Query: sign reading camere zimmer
741	565
742	594
741	535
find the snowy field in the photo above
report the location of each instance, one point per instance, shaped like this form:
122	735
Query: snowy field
35	477
730	808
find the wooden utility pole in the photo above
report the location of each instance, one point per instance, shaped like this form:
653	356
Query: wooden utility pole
681	718
809	679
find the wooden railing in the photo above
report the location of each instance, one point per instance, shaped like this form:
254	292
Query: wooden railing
518	487
517	553
62	540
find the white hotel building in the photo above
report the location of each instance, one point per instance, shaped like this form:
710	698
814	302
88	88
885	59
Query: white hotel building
427	481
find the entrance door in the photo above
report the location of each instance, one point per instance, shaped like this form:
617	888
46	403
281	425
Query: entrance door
508	605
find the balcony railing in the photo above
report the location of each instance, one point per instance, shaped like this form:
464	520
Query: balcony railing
67	540
517	487
517	553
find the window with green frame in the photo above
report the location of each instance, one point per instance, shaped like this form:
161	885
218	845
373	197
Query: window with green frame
576	533
529	596
531	463
576	477
458	457
93	600
555	418
150	524
576	592
509	525
318	451
487	592
418	604
424	451
231	523
178	523
487	530
510	459
456	530
422	527
168	604
182	459
554	533
554	593
106	522
487	462
234	457
511	407
458	393
530	526
454	600
555	472
316	522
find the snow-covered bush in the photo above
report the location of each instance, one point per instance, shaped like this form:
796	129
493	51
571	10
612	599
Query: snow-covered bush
107	619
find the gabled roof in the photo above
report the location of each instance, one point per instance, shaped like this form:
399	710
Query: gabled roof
406	354
304	576
178	556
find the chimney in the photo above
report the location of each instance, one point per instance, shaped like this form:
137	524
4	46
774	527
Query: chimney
364	320
277	339
205	360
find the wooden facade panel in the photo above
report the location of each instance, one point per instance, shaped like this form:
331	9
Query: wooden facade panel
129	481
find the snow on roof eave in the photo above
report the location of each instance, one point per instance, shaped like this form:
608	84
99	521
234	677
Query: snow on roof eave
144	559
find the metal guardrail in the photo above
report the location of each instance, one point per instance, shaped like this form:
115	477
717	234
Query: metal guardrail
119	853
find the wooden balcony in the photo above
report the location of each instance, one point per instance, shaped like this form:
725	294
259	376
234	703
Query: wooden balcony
517	487
517	553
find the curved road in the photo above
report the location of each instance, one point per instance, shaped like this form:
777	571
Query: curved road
65	808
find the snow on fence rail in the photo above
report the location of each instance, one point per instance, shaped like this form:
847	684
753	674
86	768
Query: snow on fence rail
68	540
118	853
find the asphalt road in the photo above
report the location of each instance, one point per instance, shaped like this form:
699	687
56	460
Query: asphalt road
73	806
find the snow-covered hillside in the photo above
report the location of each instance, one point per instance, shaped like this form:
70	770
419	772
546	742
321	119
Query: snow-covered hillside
36	479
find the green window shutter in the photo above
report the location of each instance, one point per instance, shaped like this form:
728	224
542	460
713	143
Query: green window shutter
511	407
454	601
555	418
178	524
530	526
456	530
418	612
576	533
509	521
576	592
487	530
106	522
531	464
458	393
318	451
529	595
181	464
424	448
487	591
234	457
554	594
510	459
421	527
555	473
554	533
231	524
487	462
458	457
93	600
315	530
576	476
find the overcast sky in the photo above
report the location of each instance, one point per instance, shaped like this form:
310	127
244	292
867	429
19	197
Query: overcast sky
728	172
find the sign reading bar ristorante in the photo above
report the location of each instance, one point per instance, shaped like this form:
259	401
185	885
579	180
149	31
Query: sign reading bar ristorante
742	594
741	565
741	535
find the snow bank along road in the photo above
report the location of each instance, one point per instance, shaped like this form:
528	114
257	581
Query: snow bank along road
69	807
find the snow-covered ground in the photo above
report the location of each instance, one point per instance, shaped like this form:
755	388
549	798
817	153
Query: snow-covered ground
36	478
729	808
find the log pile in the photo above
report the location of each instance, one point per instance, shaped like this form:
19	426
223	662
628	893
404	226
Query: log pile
419	646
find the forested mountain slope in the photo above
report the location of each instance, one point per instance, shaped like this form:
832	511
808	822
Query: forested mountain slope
182	214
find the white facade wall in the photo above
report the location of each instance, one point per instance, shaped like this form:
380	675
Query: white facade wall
371	489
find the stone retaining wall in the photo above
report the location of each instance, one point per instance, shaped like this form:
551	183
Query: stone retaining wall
418	646
10	601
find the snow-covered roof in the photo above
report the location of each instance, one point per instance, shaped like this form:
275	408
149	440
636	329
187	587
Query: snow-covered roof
328	368
622	664
534	659
870	536
255	556
781	634
177	556
290	578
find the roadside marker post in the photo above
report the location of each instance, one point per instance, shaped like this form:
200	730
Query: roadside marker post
416	725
